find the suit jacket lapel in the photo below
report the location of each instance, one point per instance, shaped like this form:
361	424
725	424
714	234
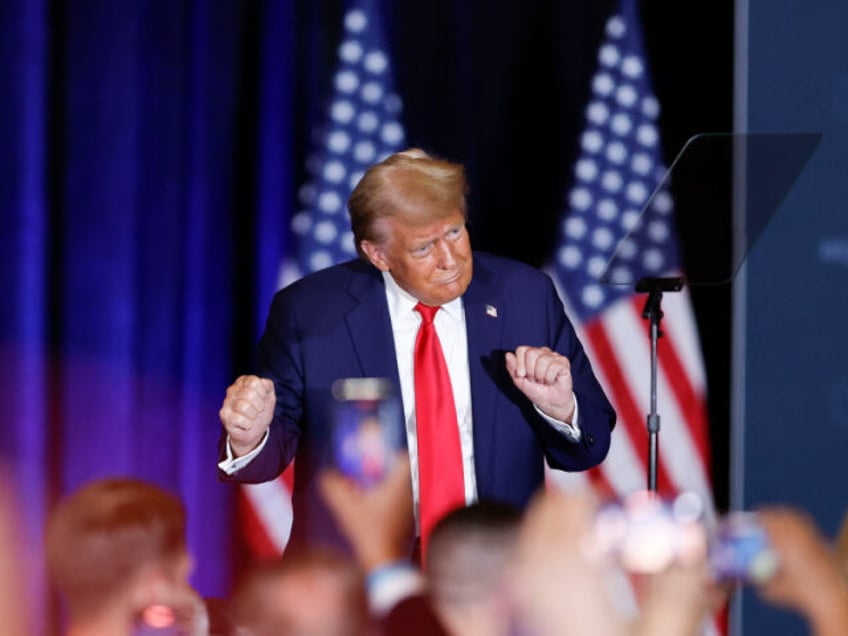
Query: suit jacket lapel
370	331
370	326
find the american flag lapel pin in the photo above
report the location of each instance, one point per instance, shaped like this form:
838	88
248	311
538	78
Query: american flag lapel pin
491	311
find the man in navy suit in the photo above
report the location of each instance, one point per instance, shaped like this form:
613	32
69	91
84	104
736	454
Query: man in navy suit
523	386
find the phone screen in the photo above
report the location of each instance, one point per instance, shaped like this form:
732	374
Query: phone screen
742	551
367	428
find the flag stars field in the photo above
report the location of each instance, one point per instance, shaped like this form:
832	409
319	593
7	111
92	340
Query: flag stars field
363	126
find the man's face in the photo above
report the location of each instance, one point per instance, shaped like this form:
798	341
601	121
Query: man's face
433	261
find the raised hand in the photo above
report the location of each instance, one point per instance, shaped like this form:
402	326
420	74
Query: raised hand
247	412
544	376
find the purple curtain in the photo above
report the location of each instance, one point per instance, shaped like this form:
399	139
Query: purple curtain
127	164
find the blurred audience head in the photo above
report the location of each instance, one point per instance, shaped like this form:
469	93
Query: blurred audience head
467	558
116	553
315	592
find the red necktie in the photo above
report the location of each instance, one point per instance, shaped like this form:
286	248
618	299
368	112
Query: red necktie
440	479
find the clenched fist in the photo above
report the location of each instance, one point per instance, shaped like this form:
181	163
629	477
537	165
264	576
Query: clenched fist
247	412
544	376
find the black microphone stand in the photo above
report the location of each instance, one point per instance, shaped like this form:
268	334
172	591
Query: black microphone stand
655	287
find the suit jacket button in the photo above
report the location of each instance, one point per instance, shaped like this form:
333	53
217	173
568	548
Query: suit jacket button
590	440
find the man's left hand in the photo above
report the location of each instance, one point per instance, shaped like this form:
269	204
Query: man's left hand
544	376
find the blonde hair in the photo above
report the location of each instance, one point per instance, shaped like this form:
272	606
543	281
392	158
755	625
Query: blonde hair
410	184
103	534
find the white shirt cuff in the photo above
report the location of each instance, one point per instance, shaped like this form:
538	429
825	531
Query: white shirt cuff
232	464
571	431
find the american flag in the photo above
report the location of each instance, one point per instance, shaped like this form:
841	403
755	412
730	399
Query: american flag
363	126
605	246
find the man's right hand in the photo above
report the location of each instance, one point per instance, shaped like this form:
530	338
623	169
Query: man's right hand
377	521
247	412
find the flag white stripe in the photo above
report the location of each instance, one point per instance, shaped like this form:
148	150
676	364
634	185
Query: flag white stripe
679	323
271	501
623	469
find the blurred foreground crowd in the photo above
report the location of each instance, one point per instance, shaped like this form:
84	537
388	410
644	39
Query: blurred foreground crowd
118	560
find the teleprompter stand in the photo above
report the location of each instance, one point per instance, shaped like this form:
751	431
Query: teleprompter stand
726	188
655	287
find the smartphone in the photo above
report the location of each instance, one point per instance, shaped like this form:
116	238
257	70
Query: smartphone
367	428
741	550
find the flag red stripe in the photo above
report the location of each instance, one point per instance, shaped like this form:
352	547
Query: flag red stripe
256	537
600	483
691	404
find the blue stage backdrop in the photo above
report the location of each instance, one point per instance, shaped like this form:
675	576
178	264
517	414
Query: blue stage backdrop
122	199
791	430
